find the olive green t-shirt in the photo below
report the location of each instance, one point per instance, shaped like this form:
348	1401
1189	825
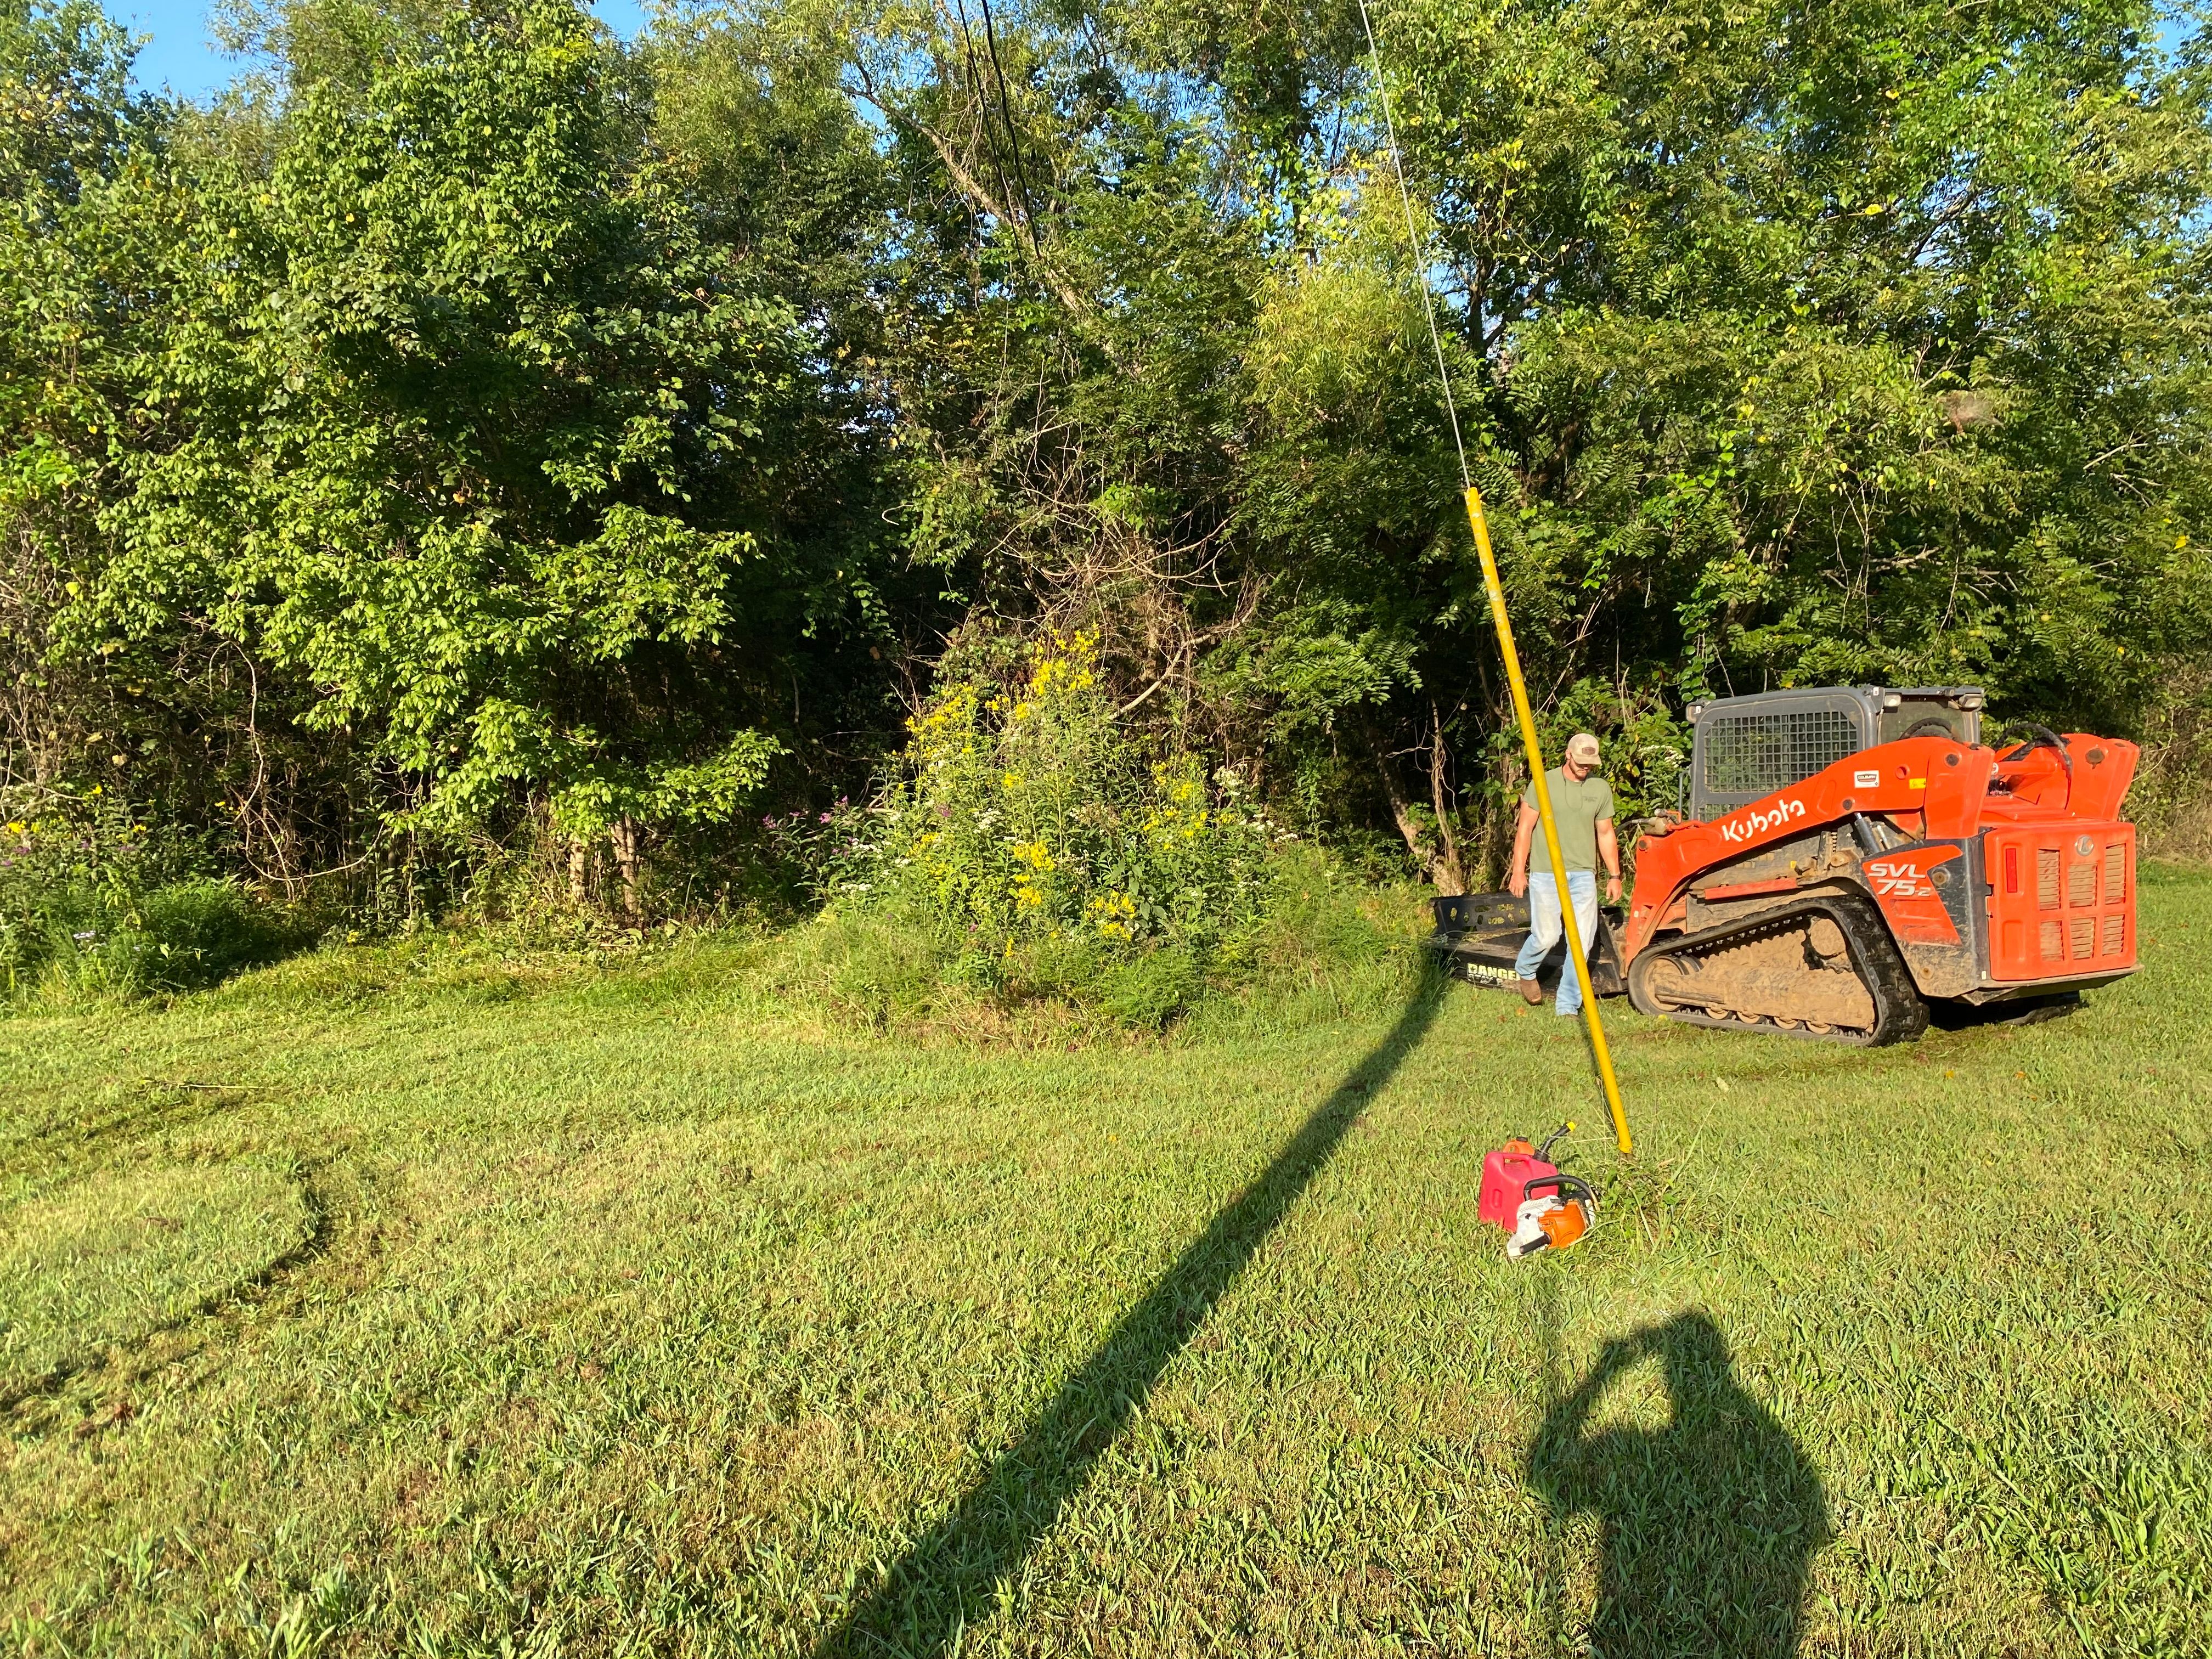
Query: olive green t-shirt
1578	809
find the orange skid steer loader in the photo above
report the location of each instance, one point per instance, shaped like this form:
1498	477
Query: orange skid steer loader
1850	855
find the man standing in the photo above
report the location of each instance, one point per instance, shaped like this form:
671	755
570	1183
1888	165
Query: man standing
1581	808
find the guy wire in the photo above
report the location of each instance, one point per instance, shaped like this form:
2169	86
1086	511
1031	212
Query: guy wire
1420	245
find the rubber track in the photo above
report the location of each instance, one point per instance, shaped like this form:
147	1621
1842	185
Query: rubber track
1900	1015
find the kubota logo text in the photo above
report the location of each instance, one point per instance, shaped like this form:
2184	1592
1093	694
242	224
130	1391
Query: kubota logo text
1758	824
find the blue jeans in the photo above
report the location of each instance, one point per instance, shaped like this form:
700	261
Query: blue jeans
1544	926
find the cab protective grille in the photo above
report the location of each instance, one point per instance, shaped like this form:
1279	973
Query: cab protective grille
1752	754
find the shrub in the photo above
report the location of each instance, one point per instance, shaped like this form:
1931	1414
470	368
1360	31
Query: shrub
180	936
186	934
1055	850
1154	988
85	905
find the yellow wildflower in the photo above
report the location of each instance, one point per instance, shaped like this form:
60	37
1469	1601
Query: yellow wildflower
1112	911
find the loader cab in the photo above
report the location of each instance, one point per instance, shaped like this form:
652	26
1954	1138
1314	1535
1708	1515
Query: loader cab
1746	748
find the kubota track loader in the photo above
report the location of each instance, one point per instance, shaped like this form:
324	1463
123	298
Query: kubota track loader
1850	855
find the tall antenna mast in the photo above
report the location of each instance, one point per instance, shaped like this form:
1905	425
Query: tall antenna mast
1479	524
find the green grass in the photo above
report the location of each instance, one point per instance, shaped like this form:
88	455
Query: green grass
657	1309
110	1258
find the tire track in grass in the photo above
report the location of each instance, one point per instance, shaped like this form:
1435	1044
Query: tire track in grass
920	1604
309	1182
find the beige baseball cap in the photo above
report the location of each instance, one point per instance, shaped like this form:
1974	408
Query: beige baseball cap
1582	749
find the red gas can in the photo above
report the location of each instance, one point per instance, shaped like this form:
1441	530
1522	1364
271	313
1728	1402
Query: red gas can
1504	1173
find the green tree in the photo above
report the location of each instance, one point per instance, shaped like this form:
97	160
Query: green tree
486	424
1865	343
1862	343
85	189
462	426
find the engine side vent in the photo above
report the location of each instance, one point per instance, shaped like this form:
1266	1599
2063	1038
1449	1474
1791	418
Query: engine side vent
2082	885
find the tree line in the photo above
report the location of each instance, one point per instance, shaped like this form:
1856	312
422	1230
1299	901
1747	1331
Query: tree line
473	438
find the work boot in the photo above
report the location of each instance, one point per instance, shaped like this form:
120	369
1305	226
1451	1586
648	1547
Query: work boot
1531	993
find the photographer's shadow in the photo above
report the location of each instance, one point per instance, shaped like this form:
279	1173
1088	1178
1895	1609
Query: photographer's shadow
1708	1523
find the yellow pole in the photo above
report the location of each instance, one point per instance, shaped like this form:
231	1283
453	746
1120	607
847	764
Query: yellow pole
1481	528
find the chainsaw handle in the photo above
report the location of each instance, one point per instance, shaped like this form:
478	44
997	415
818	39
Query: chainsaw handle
1558	1181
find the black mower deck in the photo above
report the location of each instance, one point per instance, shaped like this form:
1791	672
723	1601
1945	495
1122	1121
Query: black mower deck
1478	935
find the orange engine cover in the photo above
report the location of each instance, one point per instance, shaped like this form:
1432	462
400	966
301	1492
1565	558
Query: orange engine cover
2062	899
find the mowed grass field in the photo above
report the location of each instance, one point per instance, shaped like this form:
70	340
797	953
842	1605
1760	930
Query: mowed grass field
351	1309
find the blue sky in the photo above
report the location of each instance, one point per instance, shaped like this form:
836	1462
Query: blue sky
177	52
180	55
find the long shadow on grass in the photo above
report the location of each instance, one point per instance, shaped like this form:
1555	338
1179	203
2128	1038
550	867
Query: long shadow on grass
929	1595
1707	1525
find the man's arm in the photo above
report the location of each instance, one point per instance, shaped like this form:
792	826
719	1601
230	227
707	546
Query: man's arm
1608	853
1516	873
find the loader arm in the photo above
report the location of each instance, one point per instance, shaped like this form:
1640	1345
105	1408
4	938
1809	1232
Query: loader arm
1925	787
